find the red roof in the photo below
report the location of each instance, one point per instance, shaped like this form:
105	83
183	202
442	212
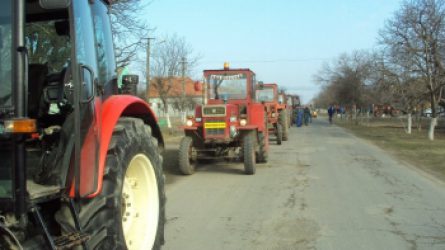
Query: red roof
175	88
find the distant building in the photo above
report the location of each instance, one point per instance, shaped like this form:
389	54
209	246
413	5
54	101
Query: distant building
174	88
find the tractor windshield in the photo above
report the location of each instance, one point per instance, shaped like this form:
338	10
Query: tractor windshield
228	87
5	53
265	95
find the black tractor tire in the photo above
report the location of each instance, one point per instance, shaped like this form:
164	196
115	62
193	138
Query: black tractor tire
103	216
263	155
284	124
249	142
279	134
186	164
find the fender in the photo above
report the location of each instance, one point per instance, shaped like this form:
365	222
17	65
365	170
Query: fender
113	108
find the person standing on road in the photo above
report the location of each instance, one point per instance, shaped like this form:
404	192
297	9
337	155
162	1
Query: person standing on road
306	115
298	116
330	113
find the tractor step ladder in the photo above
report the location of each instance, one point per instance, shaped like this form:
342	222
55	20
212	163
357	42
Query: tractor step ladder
70	240
65	241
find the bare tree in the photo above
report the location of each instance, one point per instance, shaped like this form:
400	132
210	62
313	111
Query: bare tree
345	81
167	63
400	88
129	30
415	37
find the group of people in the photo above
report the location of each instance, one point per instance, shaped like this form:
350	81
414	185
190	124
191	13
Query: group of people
302	116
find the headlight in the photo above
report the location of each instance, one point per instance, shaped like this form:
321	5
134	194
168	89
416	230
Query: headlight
243	122
198	119
274	114
233	119
189	123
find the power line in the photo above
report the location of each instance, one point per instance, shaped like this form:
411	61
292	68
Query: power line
263	60
271	60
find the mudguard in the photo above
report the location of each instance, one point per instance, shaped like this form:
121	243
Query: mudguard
113	108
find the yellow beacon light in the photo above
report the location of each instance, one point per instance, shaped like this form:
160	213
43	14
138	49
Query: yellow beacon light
226	65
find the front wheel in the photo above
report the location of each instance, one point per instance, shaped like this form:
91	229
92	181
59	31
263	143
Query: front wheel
187	162
262	156
129	213
284	124
279	134
249	153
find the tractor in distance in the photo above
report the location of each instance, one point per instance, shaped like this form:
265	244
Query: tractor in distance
294	102
267	93
81	165
230	124
287	99
284	117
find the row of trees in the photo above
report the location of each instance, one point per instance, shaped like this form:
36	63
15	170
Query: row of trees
408	69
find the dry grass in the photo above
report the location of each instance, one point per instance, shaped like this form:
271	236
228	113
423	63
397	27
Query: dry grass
415	148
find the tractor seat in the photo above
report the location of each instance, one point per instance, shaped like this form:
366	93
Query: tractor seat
53	92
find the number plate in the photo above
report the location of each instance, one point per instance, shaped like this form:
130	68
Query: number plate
215	125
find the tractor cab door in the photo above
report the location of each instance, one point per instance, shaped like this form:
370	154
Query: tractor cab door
87	98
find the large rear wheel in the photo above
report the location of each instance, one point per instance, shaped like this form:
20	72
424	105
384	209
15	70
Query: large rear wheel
187	161
129	213
249	153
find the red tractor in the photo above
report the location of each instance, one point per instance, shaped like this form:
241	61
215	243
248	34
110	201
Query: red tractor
287	99
229	125
294	102
284	114
81	166
276	112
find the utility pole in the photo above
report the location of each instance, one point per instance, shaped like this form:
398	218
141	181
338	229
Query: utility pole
147	73
183	65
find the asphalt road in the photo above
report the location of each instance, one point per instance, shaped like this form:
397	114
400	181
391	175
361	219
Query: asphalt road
323	189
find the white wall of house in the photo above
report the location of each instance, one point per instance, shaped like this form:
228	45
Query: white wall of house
157	106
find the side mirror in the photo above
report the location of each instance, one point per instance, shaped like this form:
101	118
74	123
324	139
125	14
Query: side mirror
130	84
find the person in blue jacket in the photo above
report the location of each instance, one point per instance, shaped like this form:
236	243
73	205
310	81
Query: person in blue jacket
299	117
331	113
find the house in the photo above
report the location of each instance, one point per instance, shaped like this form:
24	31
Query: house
173	88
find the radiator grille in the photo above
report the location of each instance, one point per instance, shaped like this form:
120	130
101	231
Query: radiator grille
214	111
214	131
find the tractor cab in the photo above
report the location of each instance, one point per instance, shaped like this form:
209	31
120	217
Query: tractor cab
57	81
275	108
233	86
51	94
268	94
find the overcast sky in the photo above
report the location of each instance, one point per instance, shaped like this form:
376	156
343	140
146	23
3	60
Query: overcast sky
282	41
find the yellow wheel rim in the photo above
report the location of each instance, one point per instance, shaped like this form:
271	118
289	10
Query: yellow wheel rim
140	204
